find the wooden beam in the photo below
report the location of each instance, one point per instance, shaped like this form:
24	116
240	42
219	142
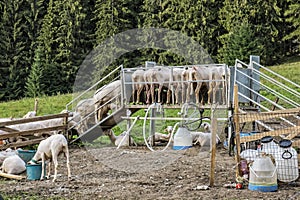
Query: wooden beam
22	144
32	119
7	129
213	150
31	132
237	128
250	117
258	136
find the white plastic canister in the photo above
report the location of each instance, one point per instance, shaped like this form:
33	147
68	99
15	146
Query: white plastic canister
287	162
182	139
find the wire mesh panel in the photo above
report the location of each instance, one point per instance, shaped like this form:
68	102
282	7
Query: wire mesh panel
277	143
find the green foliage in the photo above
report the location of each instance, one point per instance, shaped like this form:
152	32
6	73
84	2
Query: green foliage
293	17
61	33
240	43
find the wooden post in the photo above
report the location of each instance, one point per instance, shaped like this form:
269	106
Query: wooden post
237	127
214	124
36	103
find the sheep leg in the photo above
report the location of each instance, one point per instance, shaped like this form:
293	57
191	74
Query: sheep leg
49	170
133	92
152	92
54	157
43	166
197	91
140	89
68	162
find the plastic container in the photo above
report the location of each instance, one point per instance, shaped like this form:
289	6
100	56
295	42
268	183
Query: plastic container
182	139
269	146
287	162
34	171
26	155
263	175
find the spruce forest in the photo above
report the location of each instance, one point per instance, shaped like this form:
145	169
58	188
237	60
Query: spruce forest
43	42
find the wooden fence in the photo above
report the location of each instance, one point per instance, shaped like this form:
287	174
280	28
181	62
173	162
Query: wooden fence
33	136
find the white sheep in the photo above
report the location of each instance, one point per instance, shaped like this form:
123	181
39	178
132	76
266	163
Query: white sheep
13	165
49	149
117	139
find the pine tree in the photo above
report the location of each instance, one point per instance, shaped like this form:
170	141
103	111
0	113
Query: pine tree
34	86
239	44
14	53
293	17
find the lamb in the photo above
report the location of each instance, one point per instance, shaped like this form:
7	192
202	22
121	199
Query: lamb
13	165
50	149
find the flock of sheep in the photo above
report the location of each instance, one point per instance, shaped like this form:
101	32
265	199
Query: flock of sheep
184	80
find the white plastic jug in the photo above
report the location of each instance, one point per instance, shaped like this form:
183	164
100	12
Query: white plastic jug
182	139
269	146
287	162
263	176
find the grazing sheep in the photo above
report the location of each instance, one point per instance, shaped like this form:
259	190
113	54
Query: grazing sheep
50	149
13	165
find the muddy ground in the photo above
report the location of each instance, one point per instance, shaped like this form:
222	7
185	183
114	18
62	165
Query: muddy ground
137	173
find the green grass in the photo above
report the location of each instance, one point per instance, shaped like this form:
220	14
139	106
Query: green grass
290	70
46	105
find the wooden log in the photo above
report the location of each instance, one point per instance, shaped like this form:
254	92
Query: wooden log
12	176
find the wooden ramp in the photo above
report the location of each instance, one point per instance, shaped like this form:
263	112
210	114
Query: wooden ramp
107	123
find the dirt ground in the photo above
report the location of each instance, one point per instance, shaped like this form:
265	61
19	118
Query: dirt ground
137	173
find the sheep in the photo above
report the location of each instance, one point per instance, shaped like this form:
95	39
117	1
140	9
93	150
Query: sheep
30	114
13	165
157	76
84	108
138	84
116	140
5	154
50	149
104	95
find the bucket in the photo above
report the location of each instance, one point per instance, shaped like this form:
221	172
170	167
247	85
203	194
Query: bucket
182	139
263	175
26	155
34	171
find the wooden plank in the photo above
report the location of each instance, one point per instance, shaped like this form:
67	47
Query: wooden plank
31	132
7	129
258	136
22	144
249	117
32	119
237	128
213	151
296	144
